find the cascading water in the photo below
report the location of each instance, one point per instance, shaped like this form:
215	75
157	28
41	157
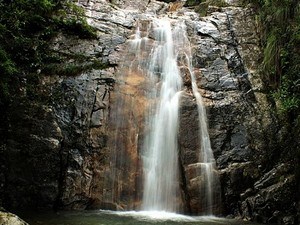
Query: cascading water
206	162
160	161
158	51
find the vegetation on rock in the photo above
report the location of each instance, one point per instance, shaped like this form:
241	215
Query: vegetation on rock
167	1
279	21
280	34
279	25
26	27
201	6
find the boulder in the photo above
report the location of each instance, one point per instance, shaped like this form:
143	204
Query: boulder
7	218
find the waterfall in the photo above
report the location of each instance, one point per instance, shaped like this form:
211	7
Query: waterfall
159	59
160	161
206	158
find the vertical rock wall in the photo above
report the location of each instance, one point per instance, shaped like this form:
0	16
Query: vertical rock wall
60	151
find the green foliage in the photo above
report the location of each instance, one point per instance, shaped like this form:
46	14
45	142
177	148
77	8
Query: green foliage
271	58
289	99
202	5
257	3
7	70
26	27
279	21
71	20
202	8
218	3
280	34
7	66
80	28
167	1
192	2
72	69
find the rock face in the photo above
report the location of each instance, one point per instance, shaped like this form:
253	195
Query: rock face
32	157
64	151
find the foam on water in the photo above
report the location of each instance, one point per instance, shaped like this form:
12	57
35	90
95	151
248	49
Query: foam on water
163	216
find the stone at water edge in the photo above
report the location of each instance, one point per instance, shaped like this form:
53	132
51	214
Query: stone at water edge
7	218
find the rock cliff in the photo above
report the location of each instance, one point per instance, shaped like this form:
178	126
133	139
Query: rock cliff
59	151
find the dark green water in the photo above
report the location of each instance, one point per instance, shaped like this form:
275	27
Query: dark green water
124	218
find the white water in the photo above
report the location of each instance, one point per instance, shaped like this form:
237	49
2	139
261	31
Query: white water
159	59
206	157
161	163
161	216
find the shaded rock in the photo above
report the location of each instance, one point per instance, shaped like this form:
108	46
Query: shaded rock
32	151
279	197
289	220
273	176
99	204
188	130
236	179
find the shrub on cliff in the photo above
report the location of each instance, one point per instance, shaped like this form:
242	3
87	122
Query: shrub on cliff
280	34
26	26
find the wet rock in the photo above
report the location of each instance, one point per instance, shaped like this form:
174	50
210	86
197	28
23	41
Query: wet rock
188	130
208	29
7	218
98	204
186	75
